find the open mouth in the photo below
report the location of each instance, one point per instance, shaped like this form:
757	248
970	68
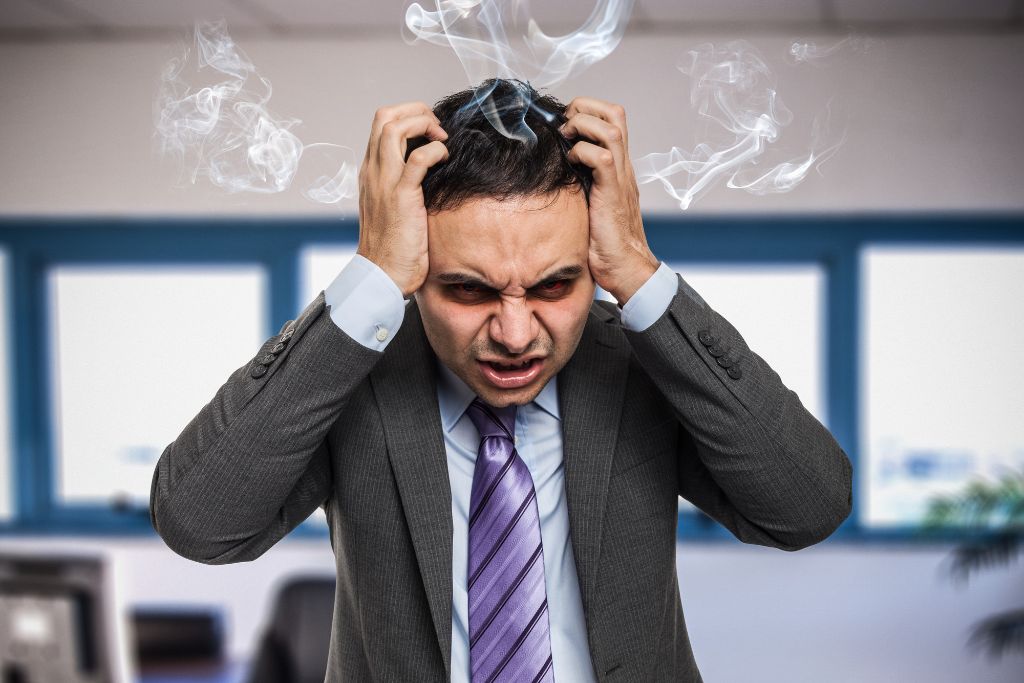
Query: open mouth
511	375
504	367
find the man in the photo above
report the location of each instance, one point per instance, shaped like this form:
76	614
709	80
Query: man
500	457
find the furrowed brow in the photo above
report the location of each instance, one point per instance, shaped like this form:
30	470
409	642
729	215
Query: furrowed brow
563	273
463	278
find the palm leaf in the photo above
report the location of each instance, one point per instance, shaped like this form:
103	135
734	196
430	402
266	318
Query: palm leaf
993	550
999	634
993	515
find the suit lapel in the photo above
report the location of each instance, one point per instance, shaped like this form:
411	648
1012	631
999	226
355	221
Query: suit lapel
405	385
590	394
591	388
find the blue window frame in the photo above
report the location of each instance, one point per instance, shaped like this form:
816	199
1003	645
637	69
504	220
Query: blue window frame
34	245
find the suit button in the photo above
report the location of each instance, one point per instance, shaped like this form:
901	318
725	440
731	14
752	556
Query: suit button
279	347
716	350
735	372
287	335
725	361
706	338
268	359
258	371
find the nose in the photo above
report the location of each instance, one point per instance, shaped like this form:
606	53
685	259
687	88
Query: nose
514	326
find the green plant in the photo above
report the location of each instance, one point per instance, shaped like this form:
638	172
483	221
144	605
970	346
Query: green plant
992	514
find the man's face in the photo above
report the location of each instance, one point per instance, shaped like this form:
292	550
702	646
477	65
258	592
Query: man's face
508	284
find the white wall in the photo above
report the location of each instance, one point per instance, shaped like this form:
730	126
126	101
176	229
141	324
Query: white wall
829	613
933	121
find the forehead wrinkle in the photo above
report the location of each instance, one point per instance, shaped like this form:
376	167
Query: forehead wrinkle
481	240
567	271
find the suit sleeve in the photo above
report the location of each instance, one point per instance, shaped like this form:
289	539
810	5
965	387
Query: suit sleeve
750	456
254	464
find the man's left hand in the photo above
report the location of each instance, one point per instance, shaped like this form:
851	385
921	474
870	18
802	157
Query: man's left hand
620	260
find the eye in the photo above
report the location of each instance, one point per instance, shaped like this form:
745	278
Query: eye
468	291
553	287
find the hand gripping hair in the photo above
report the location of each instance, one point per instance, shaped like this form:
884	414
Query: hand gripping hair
503	142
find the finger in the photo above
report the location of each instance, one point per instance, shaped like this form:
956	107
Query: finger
601	160
609	111
600	131
393	113
420	160
394	138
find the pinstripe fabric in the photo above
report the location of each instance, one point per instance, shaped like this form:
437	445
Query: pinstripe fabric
646	417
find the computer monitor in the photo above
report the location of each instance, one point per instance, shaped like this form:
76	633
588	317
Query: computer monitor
60	619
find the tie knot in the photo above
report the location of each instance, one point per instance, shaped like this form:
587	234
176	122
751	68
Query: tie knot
491	421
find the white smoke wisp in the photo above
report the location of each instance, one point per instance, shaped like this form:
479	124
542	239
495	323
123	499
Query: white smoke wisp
225	132
732	87
810	52
501	39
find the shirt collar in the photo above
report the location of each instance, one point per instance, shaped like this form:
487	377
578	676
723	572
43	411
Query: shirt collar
454	396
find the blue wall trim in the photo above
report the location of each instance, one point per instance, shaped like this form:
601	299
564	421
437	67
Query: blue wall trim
36	244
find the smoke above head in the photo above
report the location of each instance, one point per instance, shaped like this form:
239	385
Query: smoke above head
501	39
810	52
224	131
732	88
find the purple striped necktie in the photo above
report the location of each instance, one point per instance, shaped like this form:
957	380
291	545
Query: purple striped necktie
508	608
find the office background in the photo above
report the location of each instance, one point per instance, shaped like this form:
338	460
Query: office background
885	289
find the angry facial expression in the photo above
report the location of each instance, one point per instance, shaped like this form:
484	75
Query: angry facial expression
508	291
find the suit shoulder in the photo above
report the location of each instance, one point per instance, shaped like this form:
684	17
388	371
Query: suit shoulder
606	311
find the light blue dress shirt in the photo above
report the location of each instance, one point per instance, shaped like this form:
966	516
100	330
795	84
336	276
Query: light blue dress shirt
368	306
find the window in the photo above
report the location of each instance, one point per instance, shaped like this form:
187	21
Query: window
136	352
901	335
942	382
6	452
318	266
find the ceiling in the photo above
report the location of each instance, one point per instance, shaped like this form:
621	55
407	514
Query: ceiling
129	19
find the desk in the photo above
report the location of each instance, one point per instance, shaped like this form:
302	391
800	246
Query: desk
213	672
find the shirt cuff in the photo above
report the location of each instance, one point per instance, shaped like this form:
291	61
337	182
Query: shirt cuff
651	300
366	303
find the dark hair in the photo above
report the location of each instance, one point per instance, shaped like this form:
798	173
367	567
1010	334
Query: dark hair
485	163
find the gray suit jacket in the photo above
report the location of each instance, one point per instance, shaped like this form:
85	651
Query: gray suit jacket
646	416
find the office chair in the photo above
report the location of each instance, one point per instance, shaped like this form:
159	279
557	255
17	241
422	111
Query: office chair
294	646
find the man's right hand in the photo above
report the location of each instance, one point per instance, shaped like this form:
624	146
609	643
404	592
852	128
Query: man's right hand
392	216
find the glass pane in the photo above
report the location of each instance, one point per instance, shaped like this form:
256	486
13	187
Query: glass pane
6	452
942	384
779	311
318	266
136	353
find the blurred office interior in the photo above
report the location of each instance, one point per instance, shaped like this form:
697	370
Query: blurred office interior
885	289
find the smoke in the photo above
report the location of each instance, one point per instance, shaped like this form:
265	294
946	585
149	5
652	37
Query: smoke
732	88
225	132
809	52
501	39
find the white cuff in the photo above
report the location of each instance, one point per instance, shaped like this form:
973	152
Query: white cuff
651	300
366	303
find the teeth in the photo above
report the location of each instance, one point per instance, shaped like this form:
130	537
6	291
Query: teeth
502	366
